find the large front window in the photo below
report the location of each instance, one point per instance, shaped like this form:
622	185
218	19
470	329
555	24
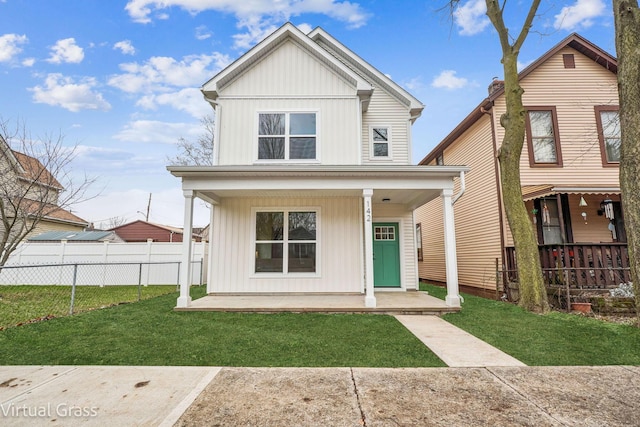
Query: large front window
542	138
608	121
287	136
286	241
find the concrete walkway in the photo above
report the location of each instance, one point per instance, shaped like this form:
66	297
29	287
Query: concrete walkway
454	346
195	396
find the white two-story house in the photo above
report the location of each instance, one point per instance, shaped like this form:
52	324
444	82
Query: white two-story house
312	188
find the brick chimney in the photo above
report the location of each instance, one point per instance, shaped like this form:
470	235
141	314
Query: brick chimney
495	85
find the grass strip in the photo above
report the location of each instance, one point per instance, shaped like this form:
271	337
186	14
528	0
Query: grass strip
554	339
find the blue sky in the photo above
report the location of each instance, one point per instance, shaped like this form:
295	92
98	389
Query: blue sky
121	79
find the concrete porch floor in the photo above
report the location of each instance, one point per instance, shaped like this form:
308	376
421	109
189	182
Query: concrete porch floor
411	302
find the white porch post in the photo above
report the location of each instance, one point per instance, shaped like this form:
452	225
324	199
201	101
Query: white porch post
451	259
184	300
369	299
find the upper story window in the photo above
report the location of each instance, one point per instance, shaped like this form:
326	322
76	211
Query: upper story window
608	122
287	136
440	159
542	137
380	142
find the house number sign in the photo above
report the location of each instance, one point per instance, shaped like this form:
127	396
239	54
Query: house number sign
368	210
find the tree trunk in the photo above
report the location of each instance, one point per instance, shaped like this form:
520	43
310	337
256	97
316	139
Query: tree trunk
627	27
533	296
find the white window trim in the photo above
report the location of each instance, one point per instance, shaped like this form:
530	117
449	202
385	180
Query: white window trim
285	249
286	112
389	143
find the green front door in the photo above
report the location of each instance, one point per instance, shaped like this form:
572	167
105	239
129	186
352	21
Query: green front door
386	255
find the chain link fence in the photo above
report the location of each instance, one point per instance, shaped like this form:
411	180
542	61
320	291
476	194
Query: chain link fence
31	293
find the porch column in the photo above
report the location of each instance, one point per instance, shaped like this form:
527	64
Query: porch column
184	300
369	299
451	259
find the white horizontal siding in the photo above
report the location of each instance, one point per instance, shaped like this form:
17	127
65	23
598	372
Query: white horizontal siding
385	110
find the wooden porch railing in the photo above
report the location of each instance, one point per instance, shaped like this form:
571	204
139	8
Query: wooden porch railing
583	266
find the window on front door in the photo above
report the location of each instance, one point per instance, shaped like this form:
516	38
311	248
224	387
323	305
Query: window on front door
542	137
285	241
550	230
287	136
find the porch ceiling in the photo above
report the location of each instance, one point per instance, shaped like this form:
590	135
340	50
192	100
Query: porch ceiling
530	192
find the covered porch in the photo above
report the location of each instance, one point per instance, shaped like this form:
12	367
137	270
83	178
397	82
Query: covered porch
343	204
416	302
581	236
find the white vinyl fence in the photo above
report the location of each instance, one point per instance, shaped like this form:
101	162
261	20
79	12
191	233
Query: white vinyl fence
149	263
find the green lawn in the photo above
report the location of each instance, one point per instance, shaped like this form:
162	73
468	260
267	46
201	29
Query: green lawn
552	339
151	333
23	303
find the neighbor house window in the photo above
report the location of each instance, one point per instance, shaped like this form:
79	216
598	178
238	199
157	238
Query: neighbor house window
542	137
380	141
608	122
285	241
419	241
287	136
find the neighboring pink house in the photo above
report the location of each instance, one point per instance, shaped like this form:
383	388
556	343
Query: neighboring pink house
569	174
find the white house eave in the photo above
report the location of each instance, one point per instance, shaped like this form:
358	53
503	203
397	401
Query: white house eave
212	87
290	171
413	103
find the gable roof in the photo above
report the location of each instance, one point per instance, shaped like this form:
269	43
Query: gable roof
150	224
322	46
574	41
366	70
49	212
27	167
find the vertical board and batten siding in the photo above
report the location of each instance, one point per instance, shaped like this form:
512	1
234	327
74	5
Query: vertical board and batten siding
386	110
338	251
336	135
407	234
289	79
476	214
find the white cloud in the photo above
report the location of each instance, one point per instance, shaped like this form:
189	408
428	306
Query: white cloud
188	100
66	93
156	131
160	73
29	62
414	84
125	47
66	50
579	15
10	46
448	80
256	16
202	32
471	17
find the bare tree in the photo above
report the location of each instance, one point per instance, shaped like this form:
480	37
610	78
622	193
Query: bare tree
199	152
35	183
627	28
115	221
533	295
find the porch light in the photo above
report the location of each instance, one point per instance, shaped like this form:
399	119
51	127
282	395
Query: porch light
582	202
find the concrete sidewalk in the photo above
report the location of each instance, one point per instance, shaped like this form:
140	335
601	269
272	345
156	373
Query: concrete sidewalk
194	396
455	347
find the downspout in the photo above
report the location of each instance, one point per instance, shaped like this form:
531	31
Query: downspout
462	189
